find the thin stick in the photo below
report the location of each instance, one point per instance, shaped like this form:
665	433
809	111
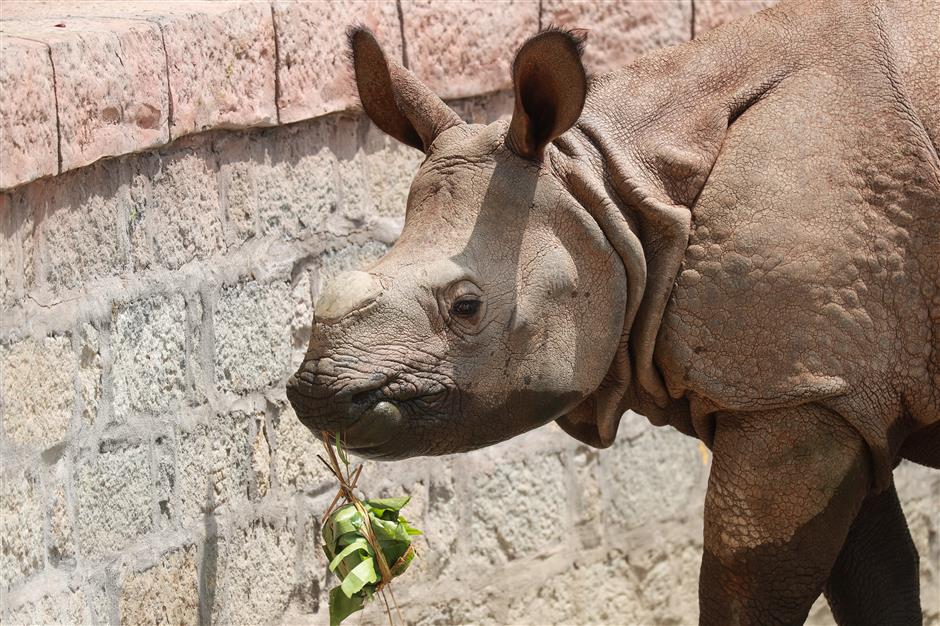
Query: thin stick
388	611
397	608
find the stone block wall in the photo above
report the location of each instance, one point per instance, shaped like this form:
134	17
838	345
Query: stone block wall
154	303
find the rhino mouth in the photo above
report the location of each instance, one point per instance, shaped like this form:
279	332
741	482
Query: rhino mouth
375	417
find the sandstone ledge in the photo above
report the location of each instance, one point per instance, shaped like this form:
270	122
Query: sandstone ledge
82	81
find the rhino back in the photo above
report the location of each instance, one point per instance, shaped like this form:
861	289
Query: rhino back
813	265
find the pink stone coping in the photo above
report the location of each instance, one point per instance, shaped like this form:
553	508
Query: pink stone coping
86	80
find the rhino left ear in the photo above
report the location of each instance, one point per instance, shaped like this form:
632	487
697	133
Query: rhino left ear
550	86
393	98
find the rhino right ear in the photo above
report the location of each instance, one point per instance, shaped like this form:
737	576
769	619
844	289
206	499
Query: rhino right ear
394	99
550	87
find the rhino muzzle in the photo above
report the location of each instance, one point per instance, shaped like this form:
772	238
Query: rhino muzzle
360	411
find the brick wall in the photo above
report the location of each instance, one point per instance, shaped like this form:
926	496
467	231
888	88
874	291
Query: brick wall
155	302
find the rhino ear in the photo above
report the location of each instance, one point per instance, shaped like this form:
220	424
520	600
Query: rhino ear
550	86
393	98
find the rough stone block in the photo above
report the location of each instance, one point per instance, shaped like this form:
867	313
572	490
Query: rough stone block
21	514
166	593
84	226
374	170
110	84
332	175
532	489
314	70
464	49
29	138
38	390
297	187
619	32
440	522
255	572
113	497
148	351
295	463
214	462
238	155
650	474
63	605
460	610
252	335
712	13
666	561
175	213
221	64
600	592
310	596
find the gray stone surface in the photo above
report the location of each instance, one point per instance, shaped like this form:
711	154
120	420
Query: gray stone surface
650	474
113	498
252	335
255	572
176	216
214	466
38	390
295	463
530	495
166	593
21	515
60	605
149	354
82	228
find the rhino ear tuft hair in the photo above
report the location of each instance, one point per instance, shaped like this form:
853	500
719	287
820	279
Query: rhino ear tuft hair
393	98
550	86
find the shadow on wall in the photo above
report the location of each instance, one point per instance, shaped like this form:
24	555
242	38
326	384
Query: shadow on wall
209	563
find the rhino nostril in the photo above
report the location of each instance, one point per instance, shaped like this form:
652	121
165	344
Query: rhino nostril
365	399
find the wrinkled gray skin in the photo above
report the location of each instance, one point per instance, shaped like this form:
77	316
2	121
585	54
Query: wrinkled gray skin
738	237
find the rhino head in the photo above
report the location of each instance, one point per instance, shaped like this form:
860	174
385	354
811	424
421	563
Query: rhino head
501	306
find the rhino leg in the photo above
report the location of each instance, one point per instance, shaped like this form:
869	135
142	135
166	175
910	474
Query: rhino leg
784	489
875	579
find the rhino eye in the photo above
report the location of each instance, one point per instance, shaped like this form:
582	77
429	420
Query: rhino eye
465	307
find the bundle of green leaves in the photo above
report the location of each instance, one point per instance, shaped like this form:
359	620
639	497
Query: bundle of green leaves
353	558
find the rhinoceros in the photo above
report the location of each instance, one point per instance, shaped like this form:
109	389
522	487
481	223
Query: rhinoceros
738	237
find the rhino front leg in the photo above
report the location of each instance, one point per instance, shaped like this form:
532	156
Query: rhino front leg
784	488
876	579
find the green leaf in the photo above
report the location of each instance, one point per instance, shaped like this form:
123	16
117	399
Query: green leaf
408	527
359	577
342	606
388	504
358	544
345	519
